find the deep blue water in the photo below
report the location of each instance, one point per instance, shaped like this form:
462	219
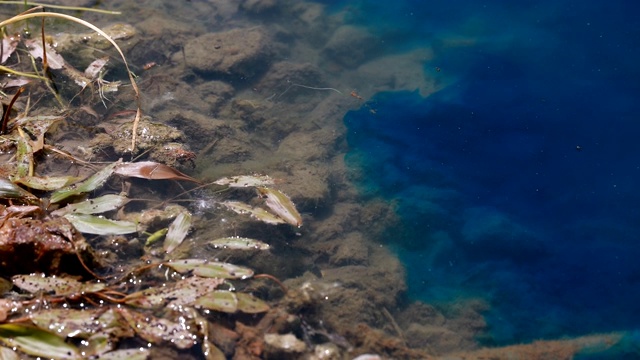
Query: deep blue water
517	182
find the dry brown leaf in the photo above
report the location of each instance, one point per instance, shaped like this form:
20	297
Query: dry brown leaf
152	171
54	60
9	45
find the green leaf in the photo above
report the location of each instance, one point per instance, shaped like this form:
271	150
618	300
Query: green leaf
36	342
242	181
94	206
9	190
223	301
60	286
210	269
156	236
281	205
99	343
230	302
99	225
183	292
90	184
155	330
46	183
250	304
81	324
24	157
257	212
177	231
239	243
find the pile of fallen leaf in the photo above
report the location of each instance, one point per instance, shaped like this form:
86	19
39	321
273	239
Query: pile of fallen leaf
65	298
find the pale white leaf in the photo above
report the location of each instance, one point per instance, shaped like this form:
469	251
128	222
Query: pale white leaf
54	60
99	225
93	70
177	231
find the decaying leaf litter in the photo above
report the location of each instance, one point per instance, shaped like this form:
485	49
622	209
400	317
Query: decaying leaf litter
76	312
220	216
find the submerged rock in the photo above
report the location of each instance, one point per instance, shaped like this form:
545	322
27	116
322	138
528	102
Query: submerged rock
258	6
160	140
350	46
239	52
284	346
29	245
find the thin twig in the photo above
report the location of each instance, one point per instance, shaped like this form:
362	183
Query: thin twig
394	324
311	88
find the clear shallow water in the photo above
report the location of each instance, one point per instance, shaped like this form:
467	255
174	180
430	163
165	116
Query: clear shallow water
517	181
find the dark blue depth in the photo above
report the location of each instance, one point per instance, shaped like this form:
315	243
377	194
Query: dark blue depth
519	182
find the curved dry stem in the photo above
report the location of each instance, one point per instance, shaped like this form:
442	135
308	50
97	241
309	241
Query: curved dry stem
273	278
108	38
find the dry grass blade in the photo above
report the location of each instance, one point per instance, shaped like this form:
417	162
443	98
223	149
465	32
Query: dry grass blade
108	38
152	171
8	70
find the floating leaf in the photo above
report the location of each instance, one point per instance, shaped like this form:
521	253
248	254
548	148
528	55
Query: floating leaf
90	184
94	206
250	304
257	213
67	322
245	181
36	342
9	190
58	285
183	292
99	225
80	324
177	231
239	243
210	269
152	171
281	205
223	301
155	330
46	183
